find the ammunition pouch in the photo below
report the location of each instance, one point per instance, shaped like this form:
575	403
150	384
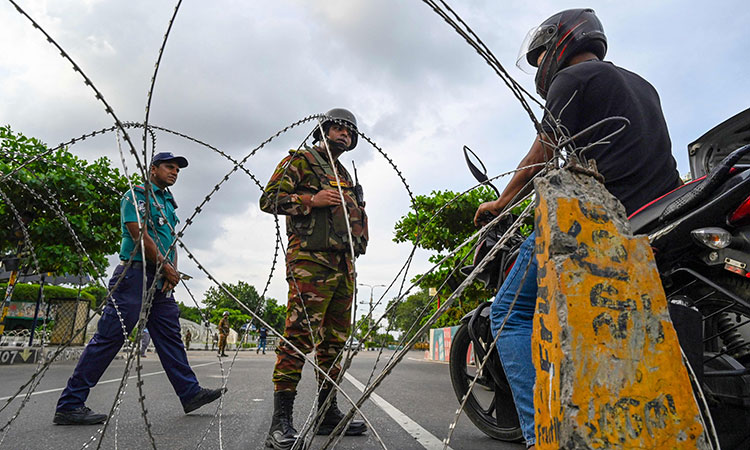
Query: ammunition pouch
325	229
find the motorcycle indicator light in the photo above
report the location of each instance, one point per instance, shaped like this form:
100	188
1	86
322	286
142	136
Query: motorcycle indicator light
741	214
713	237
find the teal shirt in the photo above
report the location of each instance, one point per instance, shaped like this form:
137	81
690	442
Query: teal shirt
162	216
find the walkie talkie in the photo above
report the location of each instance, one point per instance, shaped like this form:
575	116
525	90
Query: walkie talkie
358	192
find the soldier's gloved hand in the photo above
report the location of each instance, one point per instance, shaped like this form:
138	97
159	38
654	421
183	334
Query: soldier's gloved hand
328	197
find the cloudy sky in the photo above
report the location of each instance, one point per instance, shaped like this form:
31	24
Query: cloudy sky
235	72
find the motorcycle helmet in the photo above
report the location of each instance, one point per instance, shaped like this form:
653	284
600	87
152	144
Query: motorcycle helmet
562	36
338	115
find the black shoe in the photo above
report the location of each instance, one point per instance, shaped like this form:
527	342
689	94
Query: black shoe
78	416
203	397
225	355
282	434
333	416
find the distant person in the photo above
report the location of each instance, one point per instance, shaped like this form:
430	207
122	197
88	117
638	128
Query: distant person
126	286
145	340
223	333
319	266
188	338
262	335
214	341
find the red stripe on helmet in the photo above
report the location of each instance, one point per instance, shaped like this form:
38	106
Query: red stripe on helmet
565	37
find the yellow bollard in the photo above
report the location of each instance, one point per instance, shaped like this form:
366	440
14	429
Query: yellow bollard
608	364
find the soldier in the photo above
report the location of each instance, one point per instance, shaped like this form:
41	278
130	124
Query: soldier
319	266
127	287
223	333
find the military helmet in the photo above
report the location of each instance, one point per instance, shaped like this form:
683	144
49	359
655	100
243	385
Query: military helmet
562	36
338	115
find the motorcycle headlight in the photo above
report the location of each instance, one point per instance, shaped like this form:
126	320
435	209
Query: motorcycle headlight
713	237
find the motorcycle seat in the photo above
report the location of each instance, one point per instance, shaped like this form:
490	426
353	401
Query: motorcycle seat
646	218
685	197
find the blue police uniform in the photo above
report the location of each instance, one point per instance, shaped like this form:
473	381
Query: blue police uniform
163	322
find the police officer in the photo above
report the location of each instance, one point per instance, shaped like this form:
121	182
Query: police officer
319	267
163	321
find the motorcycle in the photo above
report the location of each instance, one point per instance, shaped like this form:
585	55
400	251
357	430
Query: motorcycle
700	234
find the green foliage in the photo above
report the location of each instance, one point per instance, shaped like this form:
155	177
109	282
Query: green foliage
362	327
451	227
88	193
217	302
99	293
191	313
409	311
215	298
445	232
274	314
442	234
27	292
236	317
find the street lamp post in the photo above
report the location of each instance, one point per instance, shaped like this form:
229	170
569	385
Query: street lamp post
369	315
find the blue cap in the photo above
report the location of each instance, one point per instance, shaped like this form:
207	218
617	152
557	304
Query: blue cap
169	156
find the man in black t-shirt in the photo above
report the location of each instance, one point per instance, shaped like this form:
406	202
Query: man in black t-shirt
637	164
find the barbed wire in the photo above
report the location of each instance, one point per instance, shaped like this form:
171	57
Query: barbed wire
148	293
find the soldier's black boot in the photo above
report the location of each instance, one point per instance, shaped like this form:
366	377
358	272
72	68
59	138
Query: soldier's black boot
282	434
333	416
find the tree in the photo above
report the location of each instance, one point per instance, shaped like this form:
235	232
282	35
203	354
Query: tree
88	194
274	314
443	233
236	317
217	301
410	313
362	327
191	313
99	293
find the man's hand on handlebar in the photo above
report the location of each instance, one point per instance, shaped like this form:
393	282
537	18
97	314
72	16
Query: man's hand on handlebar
486	212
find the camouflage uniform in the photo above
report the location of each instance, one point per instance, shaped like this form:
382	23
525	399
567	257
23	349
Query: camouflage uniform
223	333
320	270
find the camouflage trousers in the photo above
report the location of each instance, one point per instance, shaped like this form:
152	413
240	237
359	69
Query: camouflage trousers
318	319
222	343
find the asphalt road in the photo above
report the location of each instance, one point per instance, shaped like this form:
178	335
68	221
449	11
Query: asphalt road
415	409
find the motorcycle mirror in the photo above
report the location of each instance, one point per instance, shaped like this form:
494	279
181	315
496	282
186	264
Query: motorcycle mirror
479	175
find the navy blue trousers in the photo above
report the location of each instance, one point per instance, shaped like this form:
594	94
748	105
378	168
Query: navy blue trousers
163	325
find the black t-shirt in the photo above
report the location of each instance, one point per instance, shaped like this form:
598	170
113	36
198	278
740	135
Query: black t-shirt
637	163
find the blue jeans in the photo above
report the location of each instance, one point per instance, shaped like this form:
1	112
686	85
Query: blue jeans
262	344
514	343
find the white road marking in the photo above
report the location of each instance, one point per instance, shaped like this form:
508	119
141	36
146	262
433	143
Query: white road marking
424	437
427	360
104	382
